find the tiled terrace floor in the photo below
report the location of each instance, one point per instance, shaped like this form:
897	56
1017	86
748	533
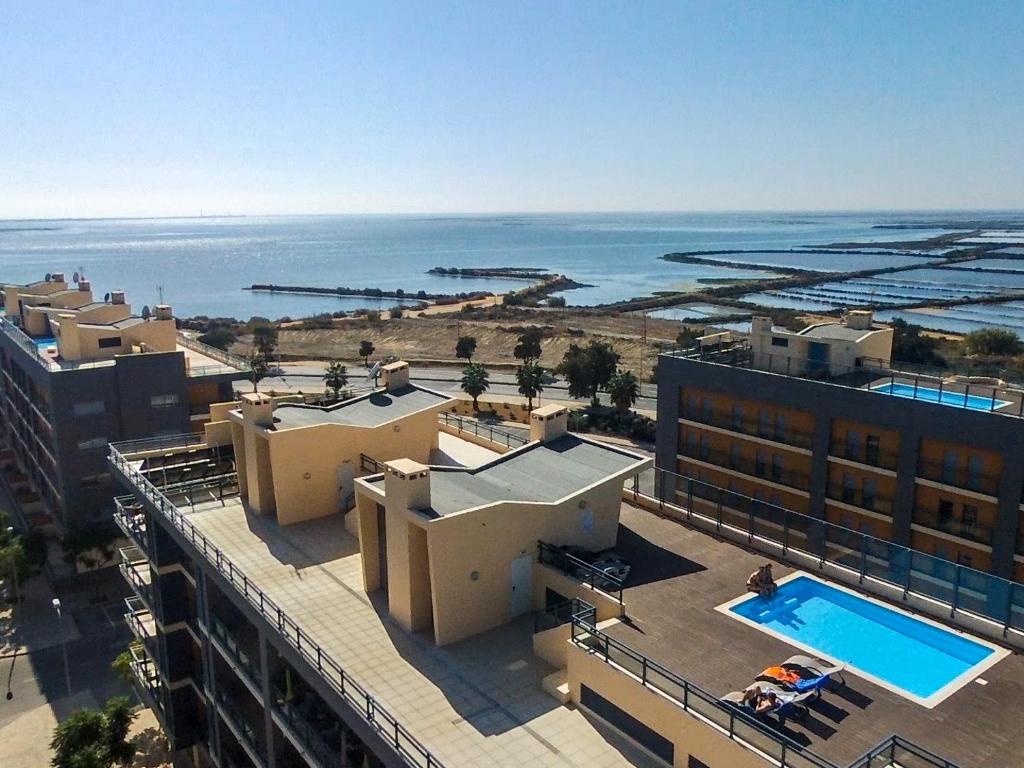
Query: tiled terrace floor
677	582
474	703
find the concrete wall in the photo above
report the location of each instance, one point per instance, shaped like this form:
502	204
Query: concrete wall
486	541
689	735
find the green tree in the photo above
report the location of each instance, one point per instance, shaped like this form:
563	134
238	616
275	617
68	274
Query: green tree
264	338
366	349
258	368
219	336
122	663
95	738
589	369
910	346
992	341
475	382
530	378
336	377
465	347
528	345
687	338
624	389
556	301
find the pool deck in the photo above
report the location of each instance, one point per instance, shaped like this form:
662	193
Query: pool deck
985	398
670	600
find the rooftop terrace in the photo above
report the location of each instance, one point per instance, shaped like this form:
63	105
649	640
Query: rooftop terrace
964	388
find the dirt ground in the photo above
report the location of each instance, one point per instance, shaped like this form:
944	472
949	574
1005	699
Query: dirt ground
433	338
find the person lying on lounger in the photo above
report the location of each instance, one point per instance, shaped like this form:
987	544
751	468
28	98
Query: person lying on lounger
766	702
762	581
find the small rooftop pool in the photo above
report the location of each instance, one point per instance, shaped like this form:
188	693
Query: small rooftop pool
914	657
955	399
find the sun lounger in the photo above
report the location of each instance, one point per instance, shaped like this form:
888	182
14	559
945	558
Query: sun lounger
809	667
793	680
789	704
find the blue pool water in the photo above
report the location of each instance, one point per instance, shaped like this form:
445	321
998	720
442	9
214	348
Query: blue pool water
42	344
957	399
895	647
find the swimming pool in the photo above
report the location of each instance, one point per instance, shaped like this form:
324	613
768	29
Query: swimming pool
913	657
957	399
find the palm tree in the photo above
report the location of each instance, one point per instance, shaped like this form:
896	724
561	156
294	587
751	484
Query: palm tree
474	382
258	368
336	377
623	389
95	737
530	378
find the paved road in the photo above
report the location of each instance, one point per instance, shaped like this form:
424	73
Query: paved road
444	378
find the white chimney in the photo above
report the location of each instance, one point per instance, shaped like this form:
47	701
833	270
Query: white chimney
117	297
162	312
549	423
396	375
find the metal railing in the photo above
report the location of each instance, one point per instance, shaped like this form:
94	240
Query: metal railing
144	444
24	341
750	427
135	616
234	650
863	454
783	532
497	435
396	735
959	476
926	383
735	723
581	570
897	751
370	464
233	714
955	526
766	470
213	353
561	613
857	498
130	519
303	730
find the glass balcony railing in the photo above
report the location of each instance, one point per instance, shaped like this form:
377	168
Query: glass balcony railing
765	470
773	431
958	476
955	526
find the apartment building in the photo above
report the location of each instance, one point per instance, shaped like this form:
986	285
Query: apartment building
77	374
823	422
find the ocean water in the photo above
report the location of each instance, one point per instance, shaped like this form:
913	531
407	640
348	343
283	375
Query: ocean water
203	264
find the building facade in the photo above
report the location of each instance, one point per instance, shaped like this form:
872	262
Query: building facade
927	462
77	374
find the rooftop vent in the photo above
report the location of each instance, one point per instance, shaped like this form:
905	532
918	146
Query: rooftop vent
117	297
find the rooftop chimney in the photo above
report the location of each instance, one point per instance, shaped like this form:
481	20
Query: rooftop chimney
760	324
162	312
84	285
57	277
859	319
396	375
549	423
258	409
69	340
408	482
117	297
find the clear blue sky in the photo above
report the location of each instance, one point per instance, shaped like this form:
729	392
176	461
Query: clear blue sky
166	108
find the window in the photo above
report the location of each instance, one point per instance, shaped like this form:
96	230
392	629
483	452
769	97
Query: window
871	450
945	512
735	456
706	408
92	444
163	401
109	342
777	466
705	448
764	424
975	470
737	417
968	520
964	560
949	462
761	465
867	493
781	430
849	488
90	408
852	444
692	405
778	341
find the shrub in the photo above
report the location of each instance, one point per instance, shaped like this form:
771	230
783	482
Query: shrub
992	341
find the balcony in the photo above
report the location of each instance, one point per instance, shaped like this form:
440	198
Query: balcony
857	498
751	467
135	569
146	677
242	729
235	654
131	520
959	477
863	454
749	427
140	620
963	529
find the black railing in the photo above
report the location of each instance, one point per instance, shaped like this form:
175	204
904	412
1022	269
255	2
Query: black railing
498	435
864	454
959	477
766	470
370	464
233	714
897	751
374	714
234	651
858	498
956	526
579	569
750	427
782	532
324	751
561	613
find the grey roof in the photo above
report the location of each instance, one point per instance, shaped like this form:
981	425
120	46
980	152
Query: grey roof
836	331
119	325
540	472
368	411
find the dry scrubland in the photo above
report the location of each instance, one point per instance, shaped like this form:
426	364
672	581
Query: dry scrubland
433	339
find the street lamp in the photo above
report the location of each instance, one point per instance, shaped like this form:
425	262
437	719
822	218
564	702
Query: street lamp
14	567
63	643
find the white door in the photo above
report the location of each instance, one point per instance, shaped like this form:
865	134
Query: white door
521	578
346	487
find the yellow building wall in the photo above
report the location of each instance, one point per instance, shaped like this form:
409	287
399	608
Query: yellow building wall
306	482
487	540
545	577
933	452
748	486
722	408
691	736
